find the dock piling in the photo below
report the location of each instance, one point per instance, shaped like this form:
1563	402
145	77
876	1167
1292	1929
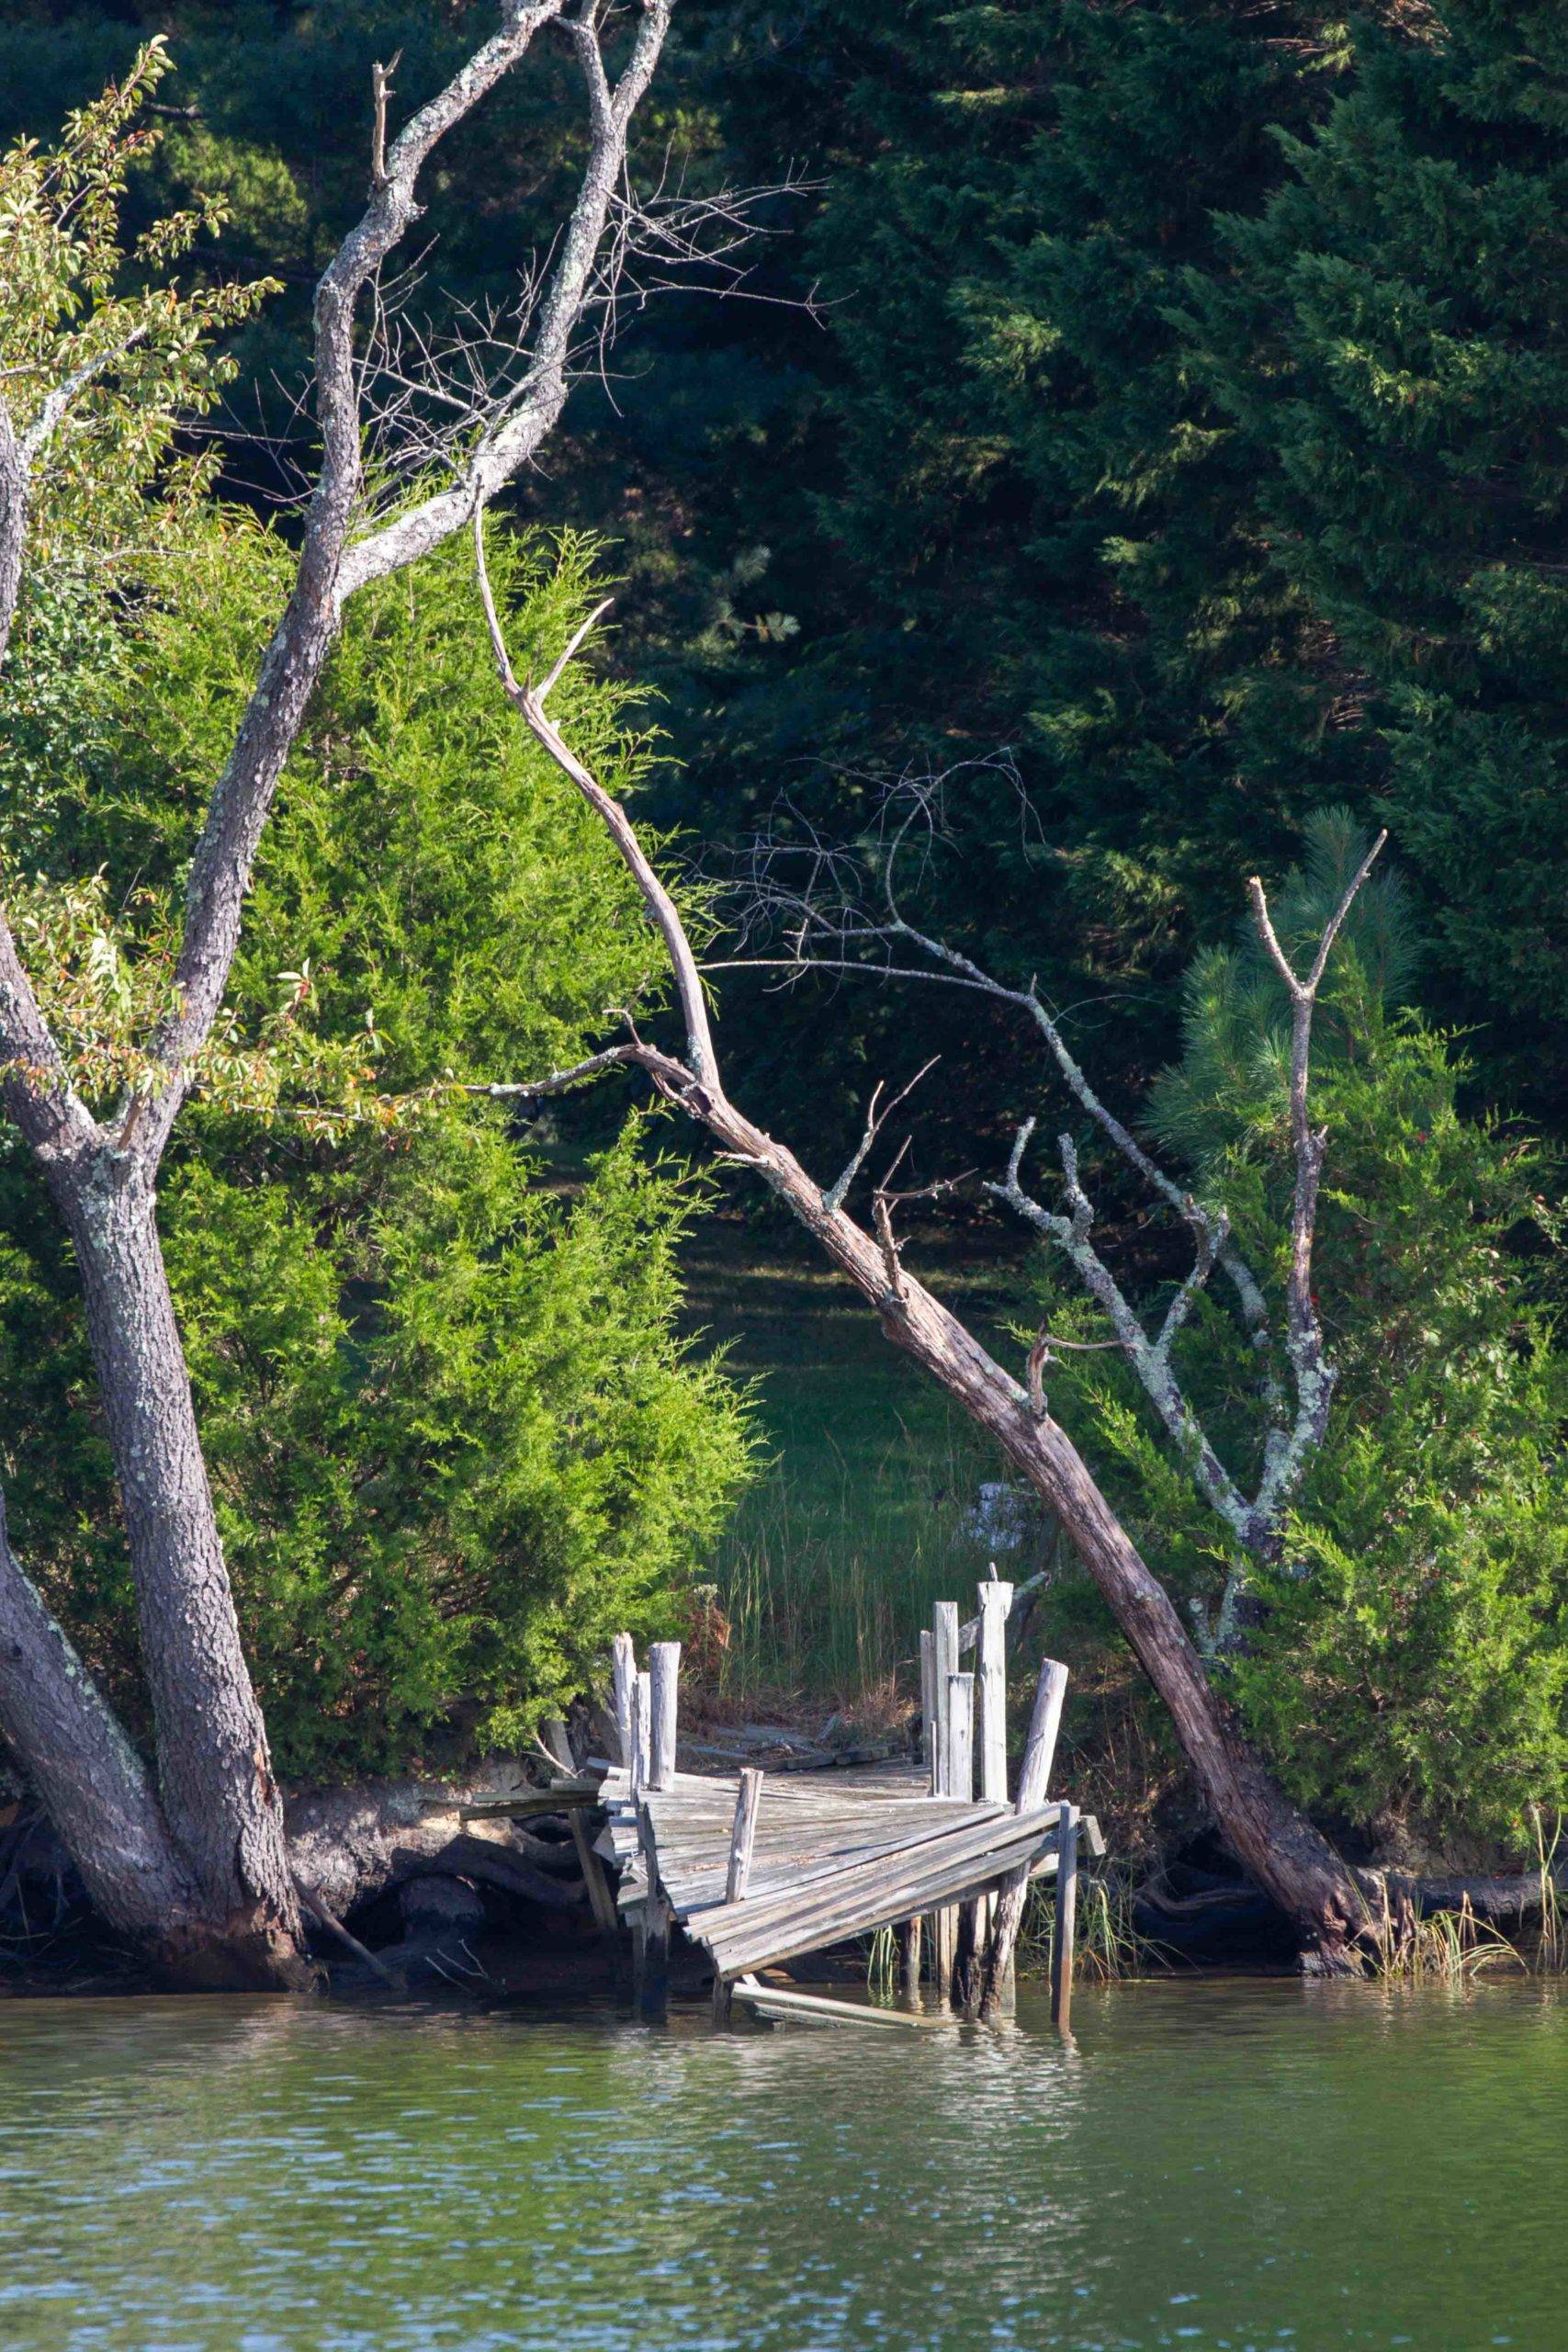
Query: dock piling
747	1798
623	1679
664	1680
944	1668
1039	1754
1066	1917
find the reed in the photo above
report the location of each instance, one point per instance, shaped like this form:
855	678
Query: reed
1107	1947
882	1965
1552	1949
1447	1948
835	1559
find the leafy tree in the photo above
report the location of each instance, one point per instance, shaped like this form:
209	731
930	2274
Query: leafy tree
455	1442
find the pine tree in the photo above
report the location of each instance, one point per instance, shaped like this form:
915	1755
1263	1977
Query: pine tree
1390	341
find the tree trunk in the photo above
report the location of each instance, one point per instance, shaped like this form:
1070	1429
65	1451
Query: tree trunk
221	1805
84	1770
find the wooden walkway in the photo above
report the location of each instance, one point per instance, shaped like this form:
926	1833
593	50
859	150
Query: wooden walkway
760	1872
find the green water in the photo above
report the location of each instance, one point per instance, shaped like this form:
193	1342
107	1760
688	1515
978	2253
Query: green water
1252	2166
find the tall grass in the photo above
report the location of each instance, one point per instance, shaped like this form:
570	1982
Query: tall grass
835	1557
863	1516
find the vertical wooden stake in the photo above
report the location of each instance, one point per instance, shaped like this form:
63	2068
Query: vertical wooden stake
910	1950
664	1683
1066	1917
653	1949
961	1737
1039	1754
944	1666
991	1736
742	1835
991	1691
928	1709
623	1677
642	1731
960	1918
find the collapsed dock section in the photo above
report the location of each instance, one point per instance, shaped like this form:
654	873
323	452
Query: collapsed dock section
763	1870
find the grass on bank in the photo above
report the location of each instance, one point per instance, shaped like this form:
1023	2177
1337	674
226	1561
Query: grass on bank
864	1513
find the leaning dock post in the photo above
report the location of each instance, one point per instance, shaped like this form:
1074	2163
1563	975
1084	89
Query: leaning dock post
995	1598
1039	1754
743	1833
664	1683
1067	1915
742	1837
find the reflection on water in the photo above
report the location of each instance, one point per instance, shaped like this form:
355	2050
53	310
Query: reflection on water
1245	2166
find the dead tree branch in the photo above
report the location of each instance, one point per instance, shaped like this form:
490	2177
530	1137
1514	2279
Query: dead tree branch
841	912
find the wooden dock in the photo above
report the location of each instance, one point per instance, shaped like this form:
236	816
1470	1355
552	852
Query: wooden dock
762	1869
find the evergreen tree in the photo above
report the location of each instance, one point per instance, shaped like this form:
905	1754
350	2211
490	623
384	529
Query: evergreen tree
1408	1667
1390	340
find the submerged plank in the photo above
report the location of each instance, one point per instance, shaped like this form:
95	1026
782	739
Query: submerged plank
775	2000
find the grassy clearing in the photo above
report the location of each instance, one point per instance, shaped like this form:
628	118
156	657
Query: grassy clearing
861	1520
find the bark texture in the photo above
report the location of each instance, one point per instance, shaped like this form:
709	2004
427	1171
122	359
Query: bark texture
214	1767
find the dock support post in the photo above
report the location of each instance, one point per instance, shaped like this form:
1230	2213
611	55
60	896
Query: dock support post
1066	1917
910	1954
623	1679
944	1668
928	1709
642	1732
601	1902
653	1948
664	1683
991	1690
961	1921
742	1835
1039	1754
995	1599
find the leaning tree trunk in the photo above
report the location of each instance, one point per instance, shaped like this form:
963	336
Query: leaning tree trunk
1270	1837
1293	1865
222	1808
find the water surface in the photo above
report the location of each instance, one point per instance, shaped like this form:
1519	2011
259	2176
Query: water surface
1247	2166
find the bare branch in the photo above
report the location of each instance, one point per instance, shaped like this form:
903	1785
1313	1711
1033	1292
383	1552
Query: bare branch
837	1193
541	394
1149	1359
330	567
380	91
529	701
1314	1376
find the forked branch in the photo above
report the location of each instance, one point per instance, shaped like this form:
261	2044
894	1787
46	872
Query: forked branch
848	915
